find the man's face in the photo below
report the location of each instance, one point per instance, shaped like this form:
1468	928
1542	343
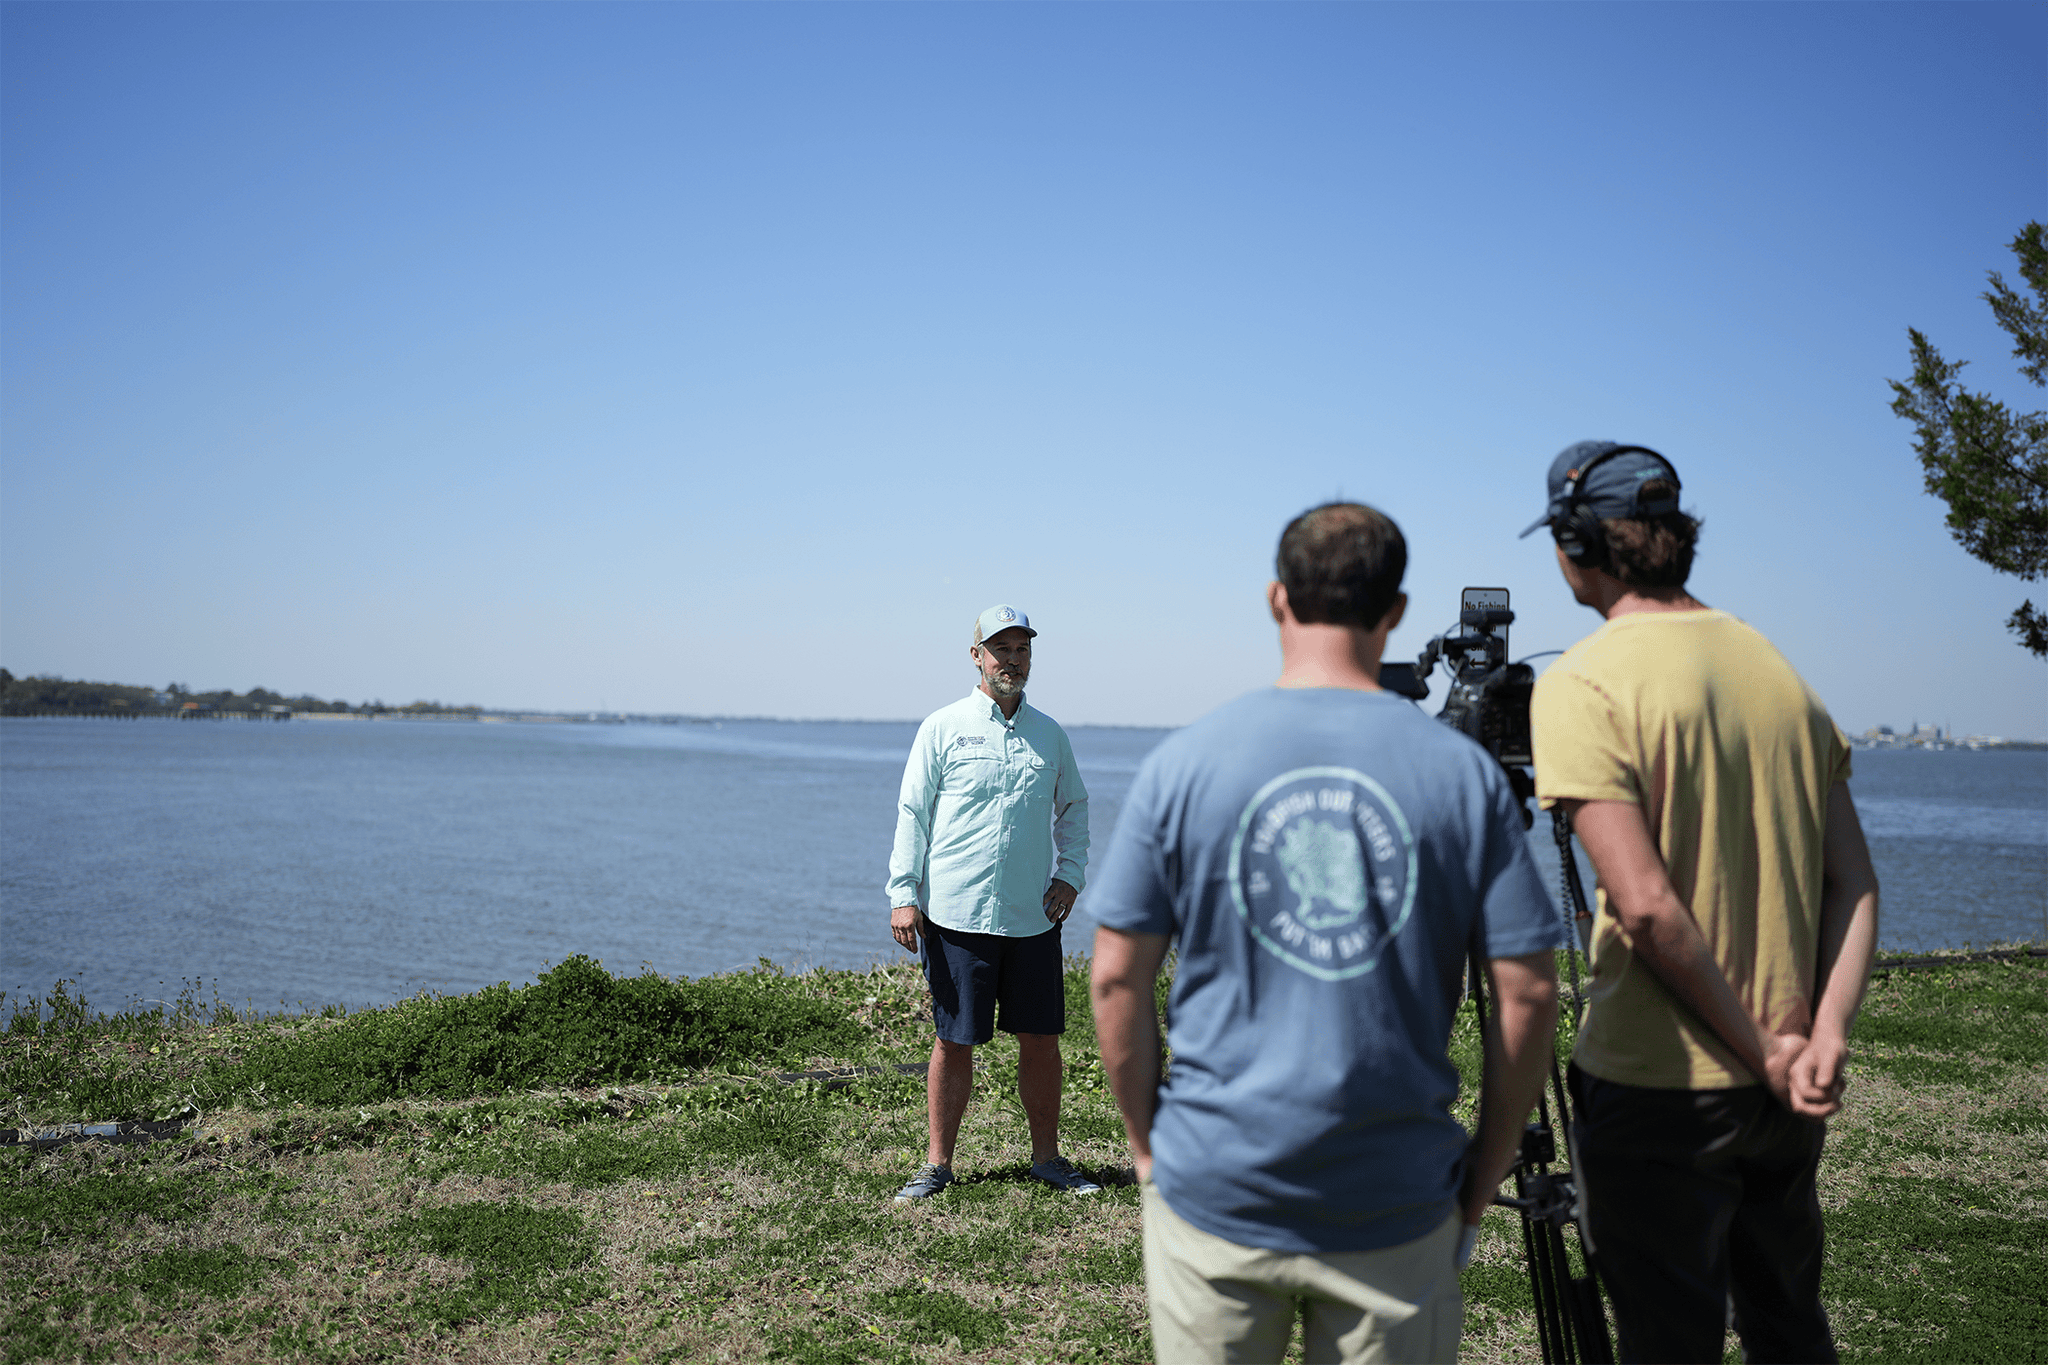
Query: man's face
1004	659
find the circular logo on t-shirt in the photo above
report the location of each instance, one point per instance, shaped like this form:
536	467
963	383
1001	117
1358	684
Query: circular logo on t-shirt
1323	870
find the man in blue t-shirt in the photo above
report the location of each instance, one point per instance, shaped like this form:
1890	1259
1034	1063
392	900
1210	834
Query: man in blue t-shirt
1323	856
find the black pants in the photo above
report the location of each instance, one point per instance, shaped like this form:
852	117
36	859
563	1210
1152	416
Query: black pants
1697	1197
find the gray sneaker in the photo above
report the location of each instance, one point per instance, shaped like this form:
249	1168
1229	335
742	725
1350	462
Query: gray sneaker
928	1181
1059	1173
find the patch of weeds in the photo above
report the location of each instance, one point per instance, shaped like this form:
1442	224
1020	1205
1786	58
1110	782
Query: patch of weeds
326	1344
213	1272
699	1249
1116	1262
576	1025
48	1330
991	1253
1091	1122
938	1317
1928	1267
785	1127
522	1259
1108	1337
803	1235
589	1157
2017	1120
1917	1070
1999	1015
72	1196
317	1132
1503	1287
891	1091
837	1341
63	1060
62	1325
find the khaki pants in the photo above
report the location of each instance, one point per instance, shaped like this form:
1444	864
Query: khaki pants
1215	1301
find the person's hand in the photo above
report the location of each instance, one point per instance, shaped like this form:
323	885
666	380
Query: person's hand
1059	901
903	925
1785	1051
1818	1076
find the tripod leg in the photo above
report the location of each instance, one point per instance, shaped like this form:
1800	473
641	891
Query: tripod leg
1595	1346
1539	1288
1561	1290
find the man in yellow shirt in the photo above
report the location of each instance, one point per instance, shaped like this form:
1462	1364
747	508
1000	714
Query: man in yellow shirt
1736	921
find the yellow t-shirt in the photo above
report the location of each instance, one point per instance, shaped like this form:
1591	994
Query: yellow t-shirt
1696	718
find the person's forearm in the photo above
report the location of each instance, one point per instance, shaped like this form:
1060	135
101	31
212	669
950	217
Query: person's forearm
1127	1030
1843	970
1848	920
1669	942
1516	1050
1070	842
1662	931
908	852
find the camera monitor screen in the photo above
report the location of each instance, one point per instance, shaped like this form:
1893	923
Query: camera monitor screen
1485	599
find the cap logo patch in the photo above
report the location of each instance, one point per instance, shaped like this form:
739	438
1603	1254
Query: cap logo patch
1006	615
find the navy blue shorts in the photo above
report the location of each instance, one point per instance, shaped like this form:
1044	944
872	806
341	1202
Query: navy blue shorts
971	974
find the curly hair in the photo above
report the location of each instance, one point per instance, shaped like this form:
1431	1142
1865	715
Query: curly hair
1652	552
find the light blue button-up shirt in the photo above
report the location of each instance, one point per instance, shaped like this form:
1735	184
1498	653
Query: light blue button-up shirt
992	810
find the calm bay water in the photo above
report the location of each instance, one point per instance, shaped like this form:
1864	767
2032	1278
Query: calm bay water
355	863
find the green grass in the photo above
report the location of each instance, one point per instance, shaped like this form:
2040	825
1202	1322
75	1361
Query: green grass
1935	1184
675	1202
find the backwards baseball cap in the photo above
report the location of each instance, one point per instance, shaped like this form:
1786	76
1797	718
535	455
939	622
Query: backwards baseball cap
1607	478
1000	618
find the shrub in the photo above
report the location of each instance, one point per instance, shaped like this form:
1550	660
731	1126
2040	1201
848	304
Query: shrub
576	1025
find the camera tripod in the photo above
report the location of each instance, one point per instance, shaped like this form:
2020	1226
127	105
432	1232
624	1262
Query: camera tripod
1571	1321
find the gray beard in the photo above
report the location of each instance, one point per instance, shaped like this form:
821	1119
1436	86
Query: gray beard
1002	687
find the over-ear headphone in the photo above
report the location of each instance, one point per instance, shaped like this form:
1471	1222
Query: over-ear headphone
1576	529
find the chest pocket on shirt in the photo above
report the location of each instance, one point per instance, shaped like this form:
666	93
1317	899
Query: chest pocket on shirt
974	768
1035	776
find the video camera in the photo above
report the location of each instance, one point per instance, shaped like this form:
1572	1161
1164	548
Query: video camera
1489	697
1489	701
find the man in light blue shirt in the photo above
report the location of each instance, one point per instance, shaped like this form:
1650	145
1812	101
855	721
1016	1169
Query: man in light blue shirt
991	850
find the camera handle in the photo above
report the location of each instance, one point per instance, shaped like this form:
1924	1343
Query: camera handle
1571	1322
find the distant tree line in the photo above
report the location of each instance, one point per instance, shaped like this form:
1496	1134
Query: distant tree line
46	692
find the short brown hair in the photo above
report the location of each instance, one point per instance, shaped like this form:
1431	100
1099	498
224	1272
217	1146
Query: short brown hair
1652	552
1341	564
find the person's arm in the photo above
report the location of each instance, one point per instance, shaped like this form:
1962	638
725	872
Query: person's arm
1070	822
1519	1035
1848	944
914	804
1665	936
1127	1030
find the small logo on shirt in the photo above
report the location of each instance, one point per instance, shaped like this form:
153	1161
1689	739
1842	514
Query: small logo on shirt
966	740
1323	870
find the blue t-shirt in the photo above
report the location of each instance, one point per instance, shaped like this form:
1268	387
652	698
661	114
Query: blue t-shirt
1323	859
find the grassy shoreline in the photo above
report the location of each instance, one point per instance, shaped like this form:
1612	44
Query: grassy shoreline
416	1183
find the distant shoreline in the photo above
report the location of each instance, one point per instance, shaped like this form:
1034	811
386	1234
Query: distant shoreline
481	717
490	718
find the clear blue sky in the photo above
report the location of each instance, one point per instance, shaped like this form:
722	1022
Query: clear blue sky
728	359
